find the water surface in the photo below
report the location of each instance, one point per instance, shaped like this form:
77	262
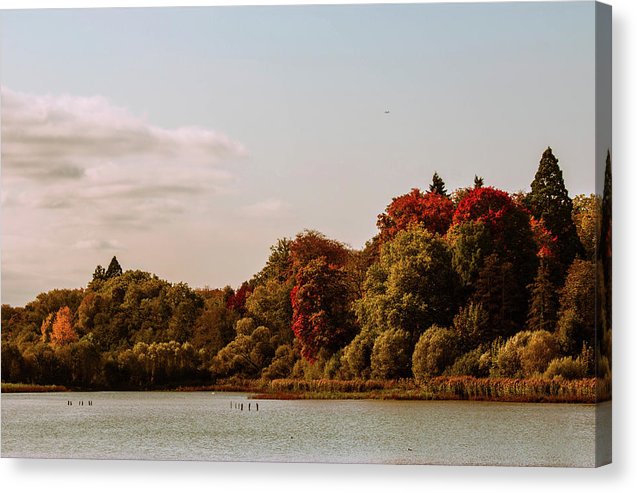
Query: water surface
207	426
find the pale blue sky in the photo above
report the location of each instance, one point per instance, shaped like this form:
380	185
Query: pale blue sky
297	98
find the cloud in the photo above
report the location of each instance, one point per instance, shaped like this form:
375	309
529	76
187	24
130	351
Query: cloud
52	138
98	245
266	209
86	154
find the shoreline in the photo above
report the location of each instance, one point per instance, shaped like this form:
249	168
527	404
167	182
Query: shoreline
582	391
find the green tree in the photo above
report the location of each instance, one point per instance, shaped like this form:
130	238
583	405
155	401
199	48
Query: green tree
576	324
470	242
357	356
271	306
544	300
500	294
586	216
391	355
526	354
411	287
549	201
471	325
114	269
436	349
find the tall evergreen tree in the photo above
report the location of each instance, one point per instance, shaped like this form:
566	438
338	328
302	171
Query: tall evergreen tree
114	269
549	201
478	181
438	185
544	300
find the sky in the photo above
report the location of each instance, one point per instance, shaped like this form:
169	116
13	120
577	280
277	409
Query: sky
186	141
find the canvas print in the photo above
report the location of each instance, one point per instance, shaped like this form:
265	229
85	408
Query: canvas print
338	233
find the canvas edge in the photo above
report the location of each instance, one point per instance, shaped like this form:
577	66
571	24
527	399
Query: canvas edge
603	149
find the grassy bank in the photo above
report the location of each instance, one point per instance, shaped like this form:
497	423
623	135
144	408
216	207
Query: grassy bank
10	388
587	390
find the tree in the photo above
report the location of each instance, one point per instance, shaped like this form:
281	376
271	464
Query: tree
586	216
357	355
478	181
433	211
508	224
391	355
411	287
438	185
278	265
544	300
270	305
471	325
99	274
114	269
526	354
321	316
247	355
470	242
576	323
62	332
237	300
549	201
45	328
311	245
605	256
436	350
499	291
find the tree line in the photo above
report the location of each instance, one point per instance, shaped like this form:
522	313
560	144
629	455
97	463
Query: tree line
479	282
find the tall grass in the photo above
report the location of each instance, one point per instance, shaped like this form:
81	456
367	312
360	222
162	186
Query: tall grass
585	390
11	388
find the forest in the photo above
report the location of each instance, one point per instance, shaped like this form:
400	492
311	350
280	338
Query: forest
474	285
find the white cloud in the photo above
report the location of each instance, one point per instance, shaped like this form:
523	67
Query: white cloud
98	245
53	138
266	209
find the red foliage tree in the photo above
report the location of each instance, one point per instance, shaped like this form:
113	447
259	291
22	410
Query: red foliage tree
509	225
321	318
311	245
237	301
431	210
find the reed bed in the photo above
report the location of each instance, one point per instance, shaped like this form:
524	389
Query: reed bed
11	388
586	390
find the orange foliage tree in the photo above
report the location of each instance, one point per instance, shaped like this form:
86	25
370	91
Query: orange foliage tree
63	332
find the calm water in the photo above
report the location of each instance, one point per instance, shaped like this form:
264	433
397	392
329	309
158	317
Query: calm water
205	426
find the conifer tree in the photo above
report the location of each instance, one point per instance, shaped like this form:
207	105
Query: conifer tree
99	274
544	301
500	294
438	185
549	201
114	269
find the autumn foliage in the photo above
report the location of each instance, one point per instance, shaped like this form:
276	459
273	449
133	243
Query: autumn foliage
485	295
62	332
430	210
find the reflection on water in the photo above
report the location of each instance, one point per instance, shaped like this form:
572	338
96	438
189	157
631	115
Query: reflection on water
205	426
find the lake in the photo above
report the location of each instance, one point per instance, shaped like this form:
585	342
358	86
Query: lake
212	426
